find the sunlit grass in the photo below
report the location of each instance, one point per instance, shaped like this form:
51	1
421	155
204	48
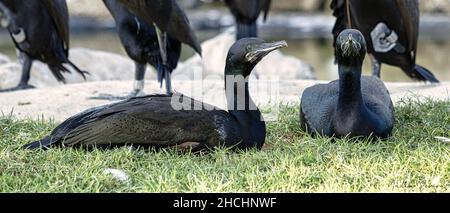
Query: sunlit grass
412	160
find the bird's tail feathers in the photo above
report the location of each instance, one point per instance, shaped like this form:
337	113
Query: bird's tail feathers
78	70
161	71
423	74
58	69
40	144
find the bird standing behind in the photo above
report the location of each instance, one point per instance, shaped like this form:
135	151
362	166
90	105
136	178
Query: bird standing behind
391	29
171	25
246	13
40	31
140	41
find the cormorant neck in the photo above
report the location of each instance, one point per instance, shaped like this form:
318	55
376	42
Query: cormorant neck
245	111
349	86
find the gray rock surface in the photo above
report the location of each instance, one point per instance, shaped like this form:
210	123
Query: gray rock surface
273	66
64	101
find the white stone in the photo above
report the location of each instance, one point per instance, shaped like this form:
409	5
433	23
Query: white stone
102	66
276	65
117	174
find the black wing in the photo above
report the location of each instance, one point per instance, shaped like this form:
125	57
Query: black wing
247	11
148	121
409	10
317	107
377	98
168	16
60	15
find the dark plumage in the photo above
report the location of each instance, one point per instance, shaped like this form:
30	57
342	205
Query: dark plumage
140	41
391	29
167	16
156	120
40	31
246	13
352	105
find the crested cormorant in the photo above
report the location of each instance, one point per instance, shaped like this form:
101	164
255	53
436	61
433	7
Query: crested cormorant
40	31
140	41
246	13
354	105
159	121
391	29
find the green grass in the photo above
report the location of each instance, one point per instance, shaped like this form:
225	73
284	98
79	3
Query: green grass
412	160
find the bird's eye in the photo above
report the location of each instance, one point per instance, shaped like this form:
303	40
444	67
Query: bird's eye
248	48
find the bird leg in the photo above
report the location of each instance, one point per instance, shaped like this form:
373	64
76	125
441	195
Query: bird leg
168	83
376	66
26	68
138	87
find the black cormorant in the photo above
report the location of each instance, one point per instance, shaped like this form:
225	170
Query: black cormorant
167	16
140	41
354	105
391	29
40	31
160	120
246	13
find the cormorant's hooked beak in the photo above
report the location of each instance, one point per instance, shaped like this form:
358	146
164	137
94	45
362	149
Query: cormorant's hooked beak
350	47
259	51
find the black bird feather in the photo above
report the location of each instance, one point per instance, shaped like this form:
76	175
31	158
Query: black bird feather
44	26
246	13
400	16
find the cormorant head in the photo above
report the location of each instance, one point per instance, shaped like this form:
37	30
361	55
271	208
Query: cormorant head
350	47
246	53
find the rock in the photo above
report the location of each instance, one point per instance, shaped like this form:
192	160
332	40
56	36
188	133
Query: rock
101	66
61	102
275	65
105	66
4	59
117	174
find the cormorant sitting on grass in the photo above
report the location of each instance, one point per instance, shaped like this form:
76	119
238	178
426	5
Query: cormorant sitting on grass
354	105
161	121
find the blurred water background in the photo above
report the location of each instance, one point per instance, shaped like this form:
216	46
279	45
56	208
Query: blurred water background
305	24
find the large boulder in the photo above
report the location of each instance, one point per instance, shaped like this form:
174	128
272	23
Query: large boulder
214	52
102	66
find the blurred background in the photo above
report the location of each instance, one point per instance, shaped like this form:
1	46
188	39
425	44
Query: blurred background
305	24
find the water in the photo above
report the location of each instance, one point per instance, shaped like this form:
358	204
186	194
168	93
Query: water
432	53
